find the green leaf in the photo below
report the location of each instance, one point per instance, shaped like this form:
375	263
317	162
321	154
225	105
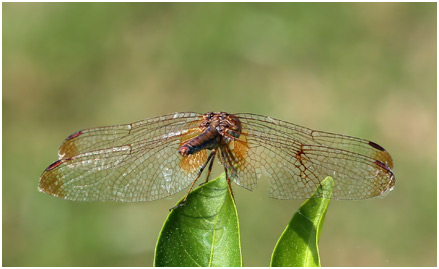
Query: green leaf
202	232
298	244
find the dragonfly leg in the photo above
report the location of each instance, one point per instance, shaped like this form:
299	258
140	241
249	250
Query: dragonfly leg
230	184
210	166
209	159
225	157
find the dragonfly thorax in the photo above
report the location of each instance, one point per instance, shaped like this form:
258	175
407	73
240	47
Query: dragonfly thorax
217	129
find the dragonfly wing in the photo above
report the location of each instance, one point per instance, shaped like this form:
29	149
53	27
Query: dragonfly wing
113	136
295	162
143	170
289	131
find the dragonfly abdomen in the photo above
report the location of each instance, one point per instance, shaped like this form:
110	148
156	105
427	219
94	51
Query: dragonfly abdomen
209	139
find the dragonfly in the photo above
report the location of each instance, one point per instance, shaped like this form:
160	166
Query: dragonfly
158	157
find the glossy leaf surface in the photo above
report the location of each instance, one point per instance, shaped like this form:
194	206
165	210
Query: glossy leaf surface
202	232
298	244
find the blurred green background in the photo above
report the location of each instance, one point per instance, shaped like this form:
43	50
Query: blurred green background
363	69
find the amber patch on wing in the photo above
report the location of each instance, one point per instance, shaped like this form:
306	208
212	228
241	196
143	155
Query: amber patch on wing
192	163
68	149
239	149
50	182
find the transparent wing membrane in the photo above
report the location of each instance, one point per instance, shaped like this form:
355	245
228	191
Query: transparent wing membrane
140	161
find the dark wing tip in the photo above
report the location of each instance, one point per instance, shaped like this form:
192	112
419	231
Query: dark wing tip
375	145
74	135
54	165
